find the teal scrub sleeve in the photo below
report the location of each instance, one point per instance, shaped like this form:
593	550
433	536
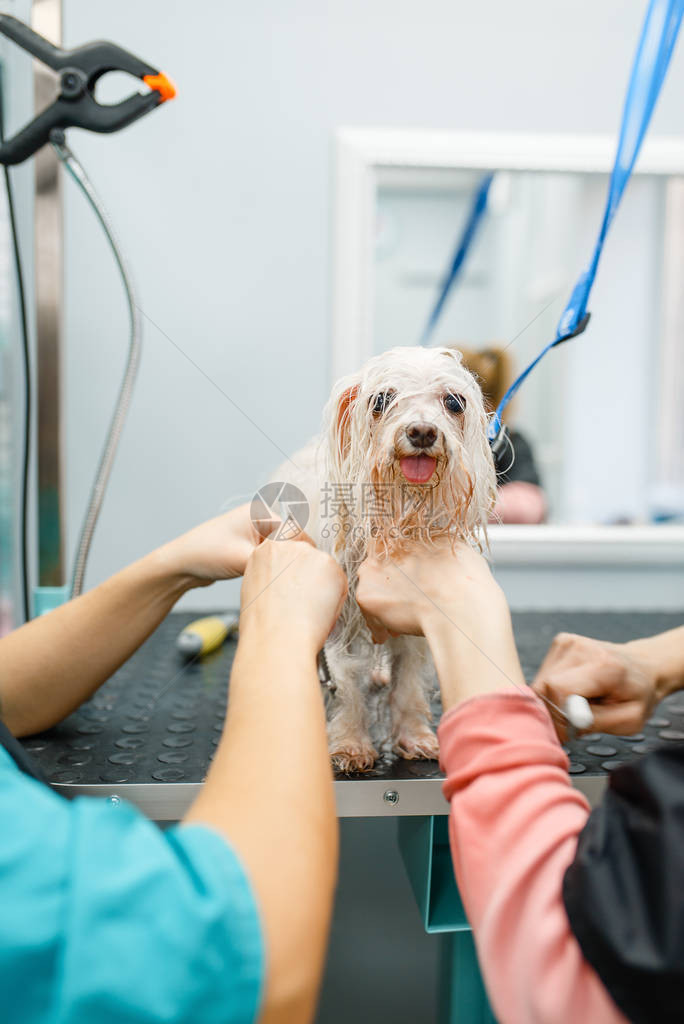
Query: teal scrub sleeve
104	918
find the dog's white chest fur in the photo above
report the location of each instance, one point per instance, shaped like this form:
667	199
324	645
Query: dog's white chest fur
403	458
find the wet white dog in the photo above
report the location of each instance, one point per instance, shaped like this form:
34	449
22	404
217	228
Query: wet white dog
403	458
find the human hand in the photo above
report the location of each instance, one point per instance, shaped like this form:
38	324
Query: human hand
402	595
618	680
519	502
215	550
292	588
447	594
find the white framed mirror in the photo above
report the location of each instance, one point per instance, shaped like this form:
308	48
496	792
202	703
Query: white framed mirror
603	413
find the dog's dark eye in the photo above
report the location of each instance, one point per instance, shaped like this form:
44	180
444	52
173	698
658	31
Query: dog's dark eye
381	401
455	403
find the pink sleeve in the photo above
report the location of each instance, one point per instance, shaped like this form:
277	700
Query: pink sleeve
513	826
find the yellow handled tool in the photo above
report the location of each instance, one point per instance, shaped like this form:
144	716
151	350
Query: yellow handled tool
205	635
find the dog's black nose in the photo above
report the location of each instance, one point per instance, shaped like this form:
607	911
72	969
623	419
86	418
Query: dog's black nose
421	435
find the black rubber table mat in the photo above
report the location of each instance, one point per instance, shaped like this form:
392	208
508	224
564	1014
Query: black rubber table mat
159	718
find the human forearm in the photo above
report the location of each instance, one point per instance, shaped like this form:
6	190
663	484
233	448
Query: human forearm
269	792
52	664
510	797
663	656
474	652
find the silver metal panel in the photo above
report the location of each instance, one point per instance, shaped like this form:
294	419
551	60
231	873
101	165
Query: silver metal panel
46	18
355	799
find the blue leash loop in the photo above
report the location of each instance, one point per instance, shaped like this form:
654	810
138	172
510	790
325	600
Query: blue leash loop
658	37
472	224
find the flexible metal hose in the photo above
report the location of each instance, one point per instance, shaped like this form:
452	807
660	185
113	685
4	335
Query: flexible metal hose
77	172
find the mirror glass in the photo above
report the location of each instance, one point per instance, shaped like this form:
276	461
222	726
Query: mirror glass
601	416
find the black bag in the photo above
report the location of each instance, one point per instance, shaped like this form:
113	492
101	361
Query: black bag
624	891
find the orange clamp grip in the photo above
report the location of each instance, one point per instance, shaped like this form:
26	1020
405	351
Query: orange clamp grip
161	84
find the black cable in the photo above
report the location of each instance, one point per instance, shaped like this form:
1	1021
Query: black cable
27	370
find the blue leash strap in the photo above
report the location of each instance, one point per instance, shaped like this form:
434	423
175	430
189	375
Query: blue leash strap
651	62
475	216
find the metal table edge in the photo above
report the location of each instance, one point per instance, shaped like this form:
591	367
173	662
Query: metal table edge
355	798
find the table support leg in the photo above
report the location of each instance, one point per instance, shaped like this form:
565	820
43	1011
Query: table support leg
462	997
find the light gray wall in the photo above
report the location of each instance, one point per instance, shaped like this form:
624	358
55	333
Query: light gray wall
223	203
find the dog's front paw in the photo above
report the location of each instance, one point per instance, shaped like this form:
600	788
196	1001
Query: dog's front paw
353	757
417	745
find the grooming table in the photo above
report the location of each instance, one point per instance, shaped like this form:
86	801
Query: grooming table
148	735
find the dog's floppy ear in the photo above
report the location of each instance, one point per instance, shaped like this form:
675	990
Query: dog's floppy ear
337	420
345	405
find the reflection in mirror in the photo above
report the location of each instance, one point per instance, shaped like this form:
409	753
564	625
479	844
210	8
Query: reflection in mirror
599	419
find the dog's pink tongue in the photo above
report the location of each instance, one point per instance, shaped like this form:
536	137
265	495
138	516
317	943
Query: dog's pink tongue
418	468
